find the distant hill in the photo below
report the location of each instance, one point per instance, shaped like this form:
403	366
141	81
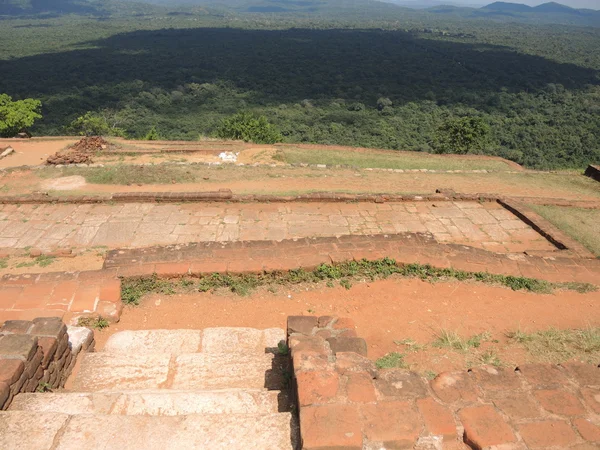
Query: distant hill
547	13
508	7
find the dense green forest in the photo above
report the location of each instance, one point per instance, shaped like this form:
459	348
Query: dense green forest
374	77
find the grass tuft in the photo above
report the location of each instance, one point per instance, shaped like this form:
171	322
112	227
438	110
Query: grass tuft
554	345
451	340
392	360
97	323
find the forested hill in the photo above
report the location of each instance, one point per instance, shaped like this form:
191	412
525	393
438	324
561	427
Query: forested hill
361	76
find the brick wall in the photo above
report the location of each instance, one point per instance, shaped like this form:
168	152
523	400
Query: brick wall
346	402
38	354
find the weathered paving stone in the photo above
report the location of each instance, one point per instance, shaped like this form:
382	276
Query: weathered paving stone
110	371
317	387
360	388
211	431
549	433
493	379
48	327
399	384
331	426
560	402
484	427
591	397
155	341
438	419
395	424
452	387
517	405
28	430
543	375
222	371
584	374
10	370
16	327
79	338
241	340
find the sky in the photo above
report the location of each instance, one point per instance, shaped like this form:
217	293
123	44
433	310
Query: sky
591	4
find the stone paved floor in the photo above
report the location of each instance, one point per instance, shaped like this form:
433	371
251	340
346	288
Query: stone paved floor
484	225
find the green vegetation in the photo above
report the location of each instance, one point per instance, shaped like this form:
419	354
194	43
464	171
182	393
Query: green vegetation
123	174
580	223
247	127
351	73
42	261
451	340
133	289
461	135
93	124
17	115
556	346
382	160
392	360
97	323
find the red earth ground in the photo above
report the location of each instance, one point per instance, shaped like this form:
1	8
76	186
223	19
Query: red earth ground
384	311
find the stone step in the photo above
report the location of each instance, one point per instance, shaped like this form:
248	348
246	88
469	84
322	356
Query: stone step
210	340
27	430
189	371
152	403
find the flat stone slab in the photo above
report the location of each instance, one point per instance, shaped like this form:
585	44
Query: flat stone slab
128	371
211	431
173	342
241	340
222	371
27	430
151	403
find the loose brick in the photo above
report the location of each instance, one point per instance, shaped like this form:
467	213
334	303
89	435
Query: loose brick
308	362
588	430
484	427
48	346
348	344
560	402
16	327
308	345
592	398
18	346
10	370
400	385
324	334
360	388
438	419
542	376
517	405
4	393
585	374
325	321
48	327
452	387
317	387
550	433
301	324
330	427
344	323
396	424
494	379
346	362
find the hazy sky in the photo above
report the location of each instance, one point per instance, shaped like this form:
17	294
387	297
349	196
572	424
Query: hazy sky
592	4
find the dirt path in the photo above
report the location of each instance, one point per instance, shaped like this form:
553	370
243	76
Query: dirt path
384	311
286	180
31	152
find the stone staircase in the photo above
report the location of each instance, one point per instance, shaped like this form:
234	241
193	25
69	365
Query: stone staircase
219	388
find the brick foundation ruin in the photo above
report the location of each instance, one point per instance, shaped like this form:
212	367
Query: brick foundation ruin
38	355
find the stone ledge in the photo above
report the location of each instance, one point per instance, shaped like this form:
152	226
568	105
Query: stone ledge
38	354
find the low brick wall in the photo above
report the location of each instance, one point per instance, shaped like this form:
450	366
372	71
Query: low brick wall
38	353
346	402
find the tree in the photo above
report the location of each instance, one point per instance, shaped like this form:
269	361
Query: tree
15	116
152	135
92	124
461	135
249	128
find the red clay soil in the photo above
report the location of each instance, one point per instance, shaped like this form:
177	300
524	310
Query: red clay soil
383	311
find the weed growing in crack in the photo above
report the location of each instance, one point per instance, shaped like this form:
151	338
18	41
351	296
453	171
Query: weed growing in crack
345	273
